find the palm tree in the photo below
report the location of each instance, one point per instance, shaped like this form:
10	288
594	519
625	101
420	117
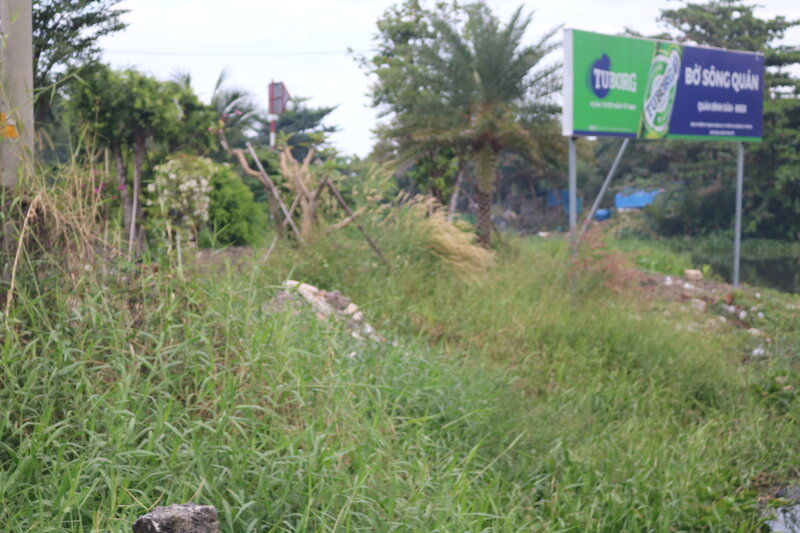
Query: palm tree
236	109
475	87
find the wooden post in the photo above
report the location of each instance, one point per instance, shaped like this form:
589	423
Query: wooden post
271	186
16	88
352	215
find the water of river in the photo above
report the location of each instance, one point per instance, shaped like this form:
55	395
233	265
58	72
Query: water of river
782	273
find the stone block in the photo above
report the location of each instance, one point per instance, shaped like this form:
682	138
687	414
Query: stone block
179	518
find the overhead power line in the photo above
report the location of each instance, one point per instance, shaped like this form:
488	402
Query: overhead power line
234	54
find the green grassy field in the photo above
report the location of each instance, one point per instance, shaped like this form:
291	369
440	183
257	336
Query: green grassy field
511	404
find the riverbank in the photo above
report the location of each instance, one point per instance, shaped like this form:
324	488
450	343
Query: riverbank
535	398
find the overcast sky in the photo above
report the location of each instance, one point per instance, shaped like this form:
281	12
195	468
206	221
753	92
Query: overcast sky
304	43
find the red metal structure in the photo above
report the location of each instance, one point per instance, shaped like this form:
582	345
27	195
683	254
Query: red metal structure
278	98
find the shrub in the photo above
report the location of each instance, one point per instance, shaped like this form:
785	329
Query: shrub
683	211
179	197
235	218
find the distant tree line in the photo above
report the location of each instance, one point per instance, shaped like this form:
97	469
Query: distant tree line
468	106
461	93
133	122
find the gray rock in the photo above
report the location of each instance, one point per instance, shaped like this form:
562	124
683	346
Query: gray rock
787	519
693	275
336	299
179	518
699	304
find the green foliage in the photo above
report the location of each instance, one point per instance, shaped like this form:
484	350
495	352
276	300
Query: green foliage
436	172
190	132
179	197
231	114
773	195
461	85
504	405
705	172
96	101
234	217
65	35
653	256
681	211
301	127
614	386
730	24
131	112
117	107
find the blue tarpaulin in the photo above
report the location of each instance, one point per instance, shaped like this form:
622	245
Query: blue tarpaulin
631	198
562	199
602	214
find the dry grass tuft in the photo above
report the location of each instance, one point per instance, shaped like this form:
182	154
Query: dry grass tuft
59	221
596	258
454	246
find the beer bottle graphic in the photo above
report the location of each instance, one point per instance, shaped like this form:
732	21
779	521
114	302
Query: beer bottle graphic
659	97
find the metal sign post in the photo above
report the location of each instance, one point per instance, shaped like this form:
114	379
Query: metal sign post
606	183
737	237
651	89
573	196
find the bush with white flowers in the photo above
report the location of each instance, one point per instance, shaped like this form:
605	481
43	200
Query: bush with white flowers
178	198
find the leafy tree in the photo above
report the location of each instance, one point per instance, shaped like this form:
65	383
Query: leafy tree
464	85
98	102
435	171
404	30
235	113
193	132
127	112
65	35
773	170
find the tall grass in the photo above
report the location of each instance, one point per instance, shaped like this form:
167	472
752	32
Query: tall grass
635	421
513	403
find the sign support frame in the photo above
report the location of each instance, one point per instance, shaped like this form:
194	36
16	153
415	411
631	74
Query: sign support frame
606	183
573	189
737	234
573	196
736	71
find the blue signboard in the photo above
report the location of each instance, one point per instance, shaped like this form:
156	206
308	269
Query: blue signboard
720	94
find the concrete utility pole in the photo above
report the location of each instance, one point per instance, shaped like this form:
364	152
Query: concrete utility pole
16	89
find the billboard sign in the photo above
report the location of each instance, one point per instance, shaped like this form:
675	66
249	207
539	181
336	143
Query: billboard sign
278	98
649	89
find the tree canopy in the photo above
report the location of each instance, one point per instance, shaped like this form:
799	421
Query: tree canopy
458	79
65	35
772	194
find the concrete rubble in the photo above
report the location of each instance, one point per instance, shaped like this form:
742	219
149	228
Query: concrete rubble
327	305
693	275
179	518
